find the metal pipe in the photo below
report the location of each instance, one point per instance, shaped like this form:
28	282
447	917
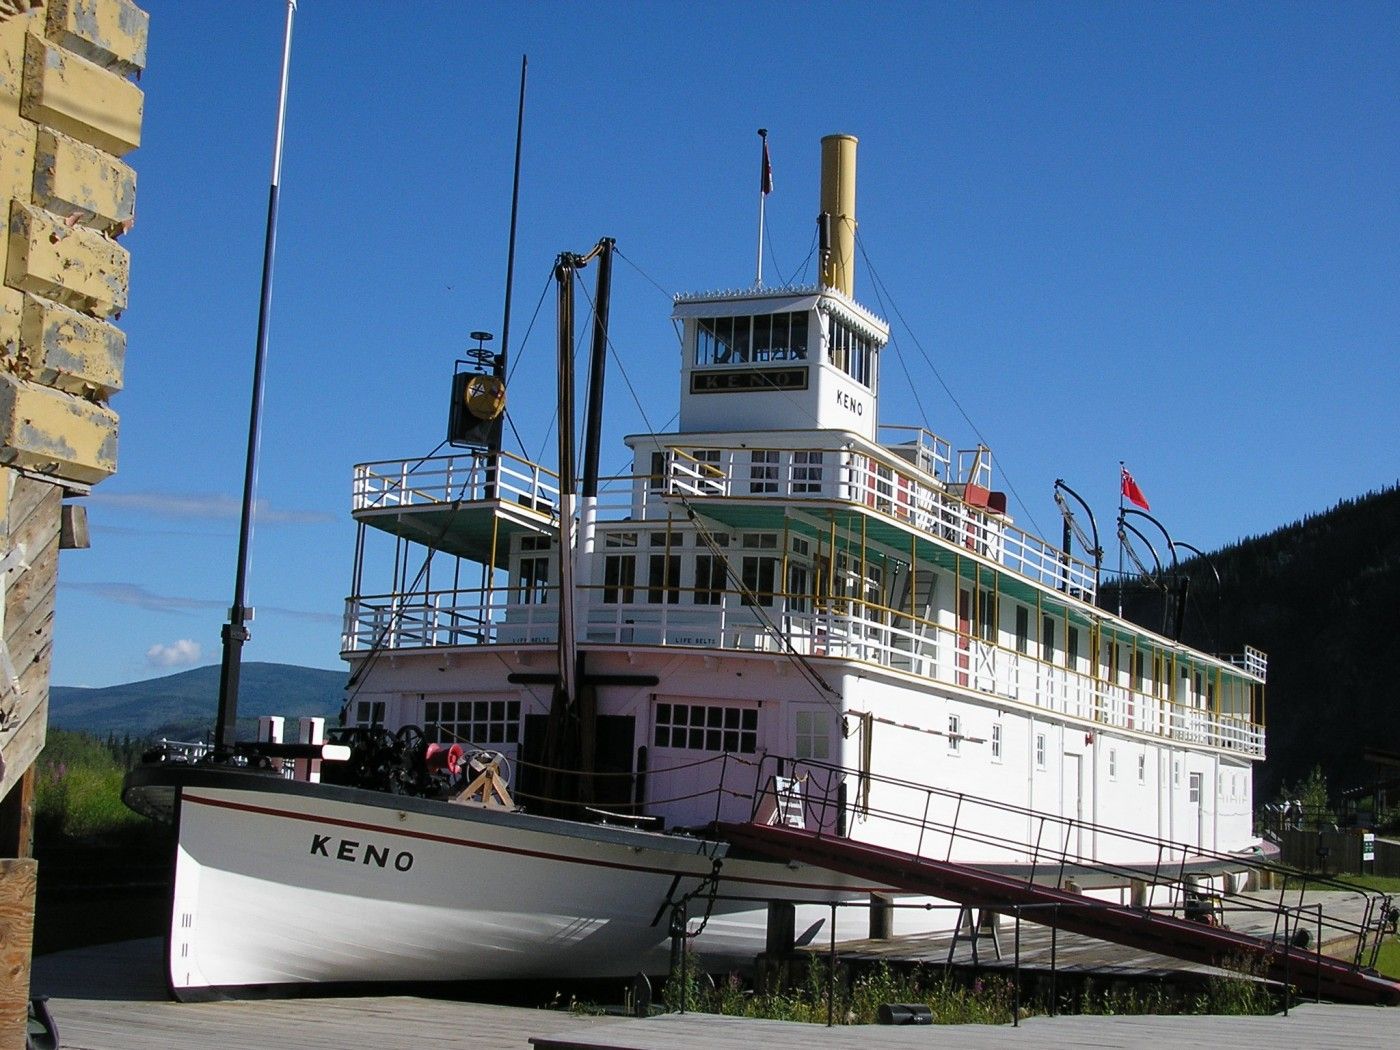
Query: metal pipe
1097	552
597	370
235	632
838	199
1124	525
1171	544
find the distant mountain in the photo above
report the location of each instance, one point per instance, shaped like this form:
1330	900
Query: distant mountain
1322	598
184	705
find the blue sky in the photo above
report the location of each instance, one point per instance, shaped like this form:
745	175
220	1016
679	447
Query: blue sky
1162	233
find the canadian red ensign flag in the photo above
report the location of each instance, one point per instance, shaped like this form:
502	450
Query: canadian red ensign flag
1132	492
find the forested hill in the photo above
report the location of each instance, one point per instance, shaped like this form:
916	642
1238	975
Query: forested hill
183	705
1322	598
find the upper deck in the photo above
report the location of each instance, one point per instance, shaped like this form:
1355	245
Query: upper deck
798	516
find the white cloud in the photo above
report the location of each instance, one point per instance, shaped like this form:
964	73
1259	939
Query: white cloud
135	594
204	506
183	653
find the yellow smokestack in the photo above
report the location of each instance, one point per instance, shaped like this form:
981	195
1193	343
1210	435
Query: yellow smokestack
839	201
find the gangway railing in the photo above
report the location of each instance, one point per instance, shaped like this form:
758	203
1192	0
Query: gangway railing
954	845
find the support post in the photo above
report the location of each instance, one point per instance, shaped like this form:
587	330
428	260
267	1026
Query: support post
881	917
17	881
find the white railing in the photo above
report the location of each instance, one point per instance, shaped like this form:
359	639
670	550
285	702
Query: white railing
932	454
845	629
881	483
1253	662
466	476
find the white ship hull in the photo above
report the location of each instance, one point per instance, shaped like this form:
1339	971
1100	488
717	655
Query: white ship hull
279	885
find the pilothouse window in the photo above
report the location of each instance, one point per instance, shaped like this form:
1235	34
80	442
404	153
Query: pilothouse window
751	340
850	351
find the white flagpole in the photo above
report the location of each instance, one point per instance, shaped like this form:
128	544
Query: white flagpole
1122	469
762	200
235	632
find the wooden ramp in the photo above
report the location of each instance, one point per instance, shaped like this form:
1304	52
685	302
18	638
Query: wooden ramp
1137	927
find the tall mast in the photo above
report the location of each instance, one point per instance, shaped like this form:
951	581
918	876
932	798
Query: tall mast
564	271
235	632
514	213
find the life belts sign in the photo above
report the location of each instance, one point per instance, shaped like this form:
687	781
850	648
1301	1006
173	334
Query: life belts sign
484	397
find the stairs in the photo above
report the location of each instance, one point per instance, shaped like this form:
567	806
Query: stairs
1136	927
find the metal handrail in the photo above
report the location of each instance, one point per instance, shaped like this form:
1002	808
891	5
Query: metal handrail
1177	883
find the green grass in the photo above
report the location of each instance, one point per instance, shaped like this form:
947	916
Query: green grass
1388	961
1377	883
950	998
78	790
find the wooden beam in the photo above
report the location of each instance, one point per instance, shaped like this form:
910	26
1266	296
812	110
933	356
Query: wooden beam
17	880
17	819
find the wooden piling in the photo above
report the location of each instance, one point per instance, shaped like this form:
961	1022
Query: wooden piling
17	881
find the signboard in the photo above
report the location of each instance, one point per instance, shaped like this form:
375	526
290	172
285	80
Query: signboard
733	380
1368	847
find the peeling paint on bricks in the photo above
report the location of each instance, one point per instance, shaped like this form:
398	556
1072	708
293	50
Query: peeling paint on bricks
110	33
50	432
68	112
70	351
74	266
80	98
82	183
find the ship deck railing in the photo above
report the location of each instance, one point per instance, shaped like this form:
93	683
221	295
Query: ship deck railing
464	477
827	471
875	481
843	628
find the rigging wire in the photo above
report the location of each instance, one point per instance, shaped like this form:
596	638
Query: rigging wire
524	341
1067	512
1134	557
801	267
879	284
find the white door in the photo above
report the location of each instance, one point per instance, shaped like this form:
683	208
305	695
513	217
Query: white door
1194	814
815	736
1072	803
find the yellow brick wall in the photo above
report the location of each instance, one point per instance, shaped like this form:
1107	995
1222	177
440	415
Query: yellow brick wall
69	111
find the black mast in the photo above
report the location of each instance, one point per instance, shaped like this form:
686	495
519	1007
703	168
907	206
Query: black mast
235	632
514	213
593	421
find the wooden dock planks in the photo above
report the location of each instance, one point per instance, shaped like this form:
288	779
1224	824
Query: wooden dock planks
112	998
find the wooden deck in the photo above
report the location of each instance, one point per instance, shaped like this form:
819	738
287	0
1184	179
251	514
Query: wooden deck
1349	1027
112	998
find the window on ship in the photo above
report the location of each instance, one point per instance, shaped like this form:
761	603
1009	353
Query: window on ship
763	339
664	572
619	570
850	351
532	586
369	713
709	579
479	722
